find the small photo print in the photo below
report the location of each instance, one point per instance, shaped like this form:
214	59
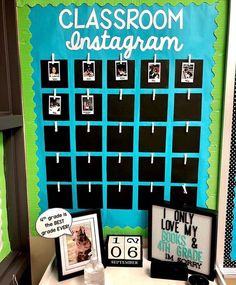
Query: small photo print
121	70
54	71
54	105
88	70
187	73
154	72
87	104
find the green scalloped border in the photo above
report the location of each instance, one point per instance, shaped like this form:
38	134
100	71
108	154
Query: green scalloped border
125	231
43	3
30	116
6	249
217	104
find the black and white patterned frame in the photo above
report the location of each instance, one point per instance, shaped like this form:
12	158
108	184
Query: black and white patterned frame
227	261
227	184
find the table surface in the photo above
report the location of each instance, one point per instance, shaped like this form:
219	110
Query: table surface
114	276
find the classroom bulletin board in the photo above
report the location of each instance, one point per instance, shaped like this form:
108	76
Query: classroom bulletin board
122	105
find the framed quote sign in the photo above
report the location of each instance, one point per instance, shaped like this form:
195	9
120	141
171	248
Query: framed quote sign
185	235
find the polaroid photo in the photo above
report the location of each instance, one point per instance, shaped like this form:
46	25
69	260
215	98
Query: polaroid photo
54	71
54	105
121	70
187	72
87	104
88	70
154	72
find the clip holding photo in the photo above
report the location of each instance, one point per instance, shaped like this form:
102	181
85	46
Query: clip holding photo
58	187
155	58
55	127
120	128
151	187
57	157
53	58
54	93
87	94
187	127
88	58
152	158
119	158
153	128
189	59
121	94
185	189
119	187
185	158
153	95
121	58
189	94
88	127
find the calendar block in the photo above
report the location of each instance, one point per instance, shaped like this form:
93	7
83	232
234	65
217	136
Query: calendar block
124	250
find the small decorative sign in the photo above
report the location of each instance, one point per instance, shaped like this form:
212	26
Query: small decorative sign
185	235
124	250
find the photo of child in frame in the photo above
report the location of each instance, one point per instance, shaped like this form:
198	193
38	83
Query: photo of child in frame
187	72
154	72
54	71
121	70
87	104
54	105
88	70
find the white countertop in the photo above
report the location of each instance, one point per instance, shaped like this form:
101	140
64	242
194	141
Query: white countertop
114	276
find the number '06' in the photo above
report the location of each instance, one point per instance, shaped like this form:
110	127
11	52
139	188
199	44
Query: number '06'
132	251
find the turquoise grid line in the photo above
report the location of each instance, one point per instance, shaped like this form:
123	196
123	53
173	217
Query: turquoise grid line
136	135
72	132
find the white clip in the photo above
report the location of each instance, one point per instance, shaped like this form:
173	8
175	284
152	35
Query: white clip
153	128
152	158
187	127
119	187
87	94
120	128
155	58
89	187
53	58
185	158
119	157
57	157
88	127
58	187
189	94
151	187
54	93
88	58
185	189
121	58
89	158
121	93
189	59
55	127
153	95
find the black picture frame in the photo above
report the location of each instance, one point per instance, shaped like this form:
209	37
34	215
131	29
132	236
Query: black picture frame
92	226
205	236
